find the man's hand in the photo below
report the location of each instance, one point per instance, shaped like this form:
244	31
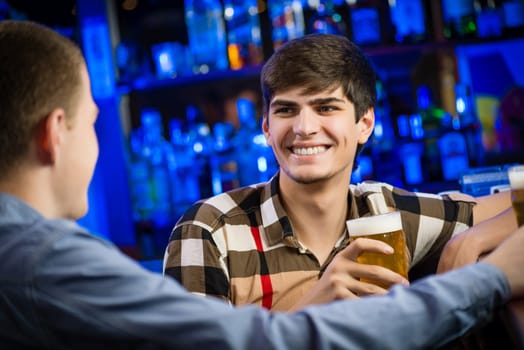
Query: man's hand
463	249
509	258
341	278
468	246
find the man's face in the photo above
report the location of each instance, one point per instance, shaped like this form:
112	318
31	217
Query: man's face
314	137
79	155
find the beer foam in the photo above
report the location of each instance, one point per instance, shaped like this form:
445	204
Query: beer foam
516	176
371	225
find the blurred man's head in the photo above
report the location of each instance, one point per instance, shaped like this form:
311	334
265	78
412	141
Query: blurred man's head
47	114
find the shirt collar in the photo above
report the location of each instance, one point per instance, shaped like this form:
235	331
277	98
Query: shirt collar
275	220
14	210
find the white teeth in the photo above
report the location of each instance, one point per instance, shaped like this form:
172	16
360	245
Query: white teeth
309	150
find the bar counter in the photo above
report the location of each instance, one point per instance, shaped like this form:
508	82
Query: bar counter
504	331
515	318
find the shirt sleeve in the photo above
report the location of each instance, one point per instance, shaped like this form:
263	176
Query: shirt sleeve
86	294
193	258
431	220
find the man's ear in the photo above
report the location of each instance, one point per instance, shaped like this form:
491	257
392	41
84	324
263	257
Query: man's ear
265	129
49	135
366	124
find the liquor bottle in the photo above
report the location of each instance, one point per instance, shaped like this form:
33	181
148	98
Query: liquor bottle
431	118
325	18
453	155
489	17
469	124
409	20
183	169
245	151
255	159
459	19
411	155
243	33
139	175
287	20
155	149
224	168
513	17
150	187
411	148
207	35
452	144
383	139
370	22
201	142
141	196
164	58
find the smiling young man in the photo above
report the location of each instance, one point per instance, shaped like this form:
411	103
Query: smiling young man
314	138
284	244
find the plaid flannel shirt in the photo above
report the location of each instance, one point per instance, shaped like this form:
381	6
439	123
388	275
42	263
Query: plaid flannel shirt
240	245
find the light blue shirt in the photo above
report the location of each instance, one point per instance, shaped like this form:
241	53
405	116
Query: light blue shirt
62	288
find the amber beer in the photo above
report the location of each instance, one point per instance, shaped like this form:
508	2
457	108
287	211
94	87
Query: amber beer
386	228
516	180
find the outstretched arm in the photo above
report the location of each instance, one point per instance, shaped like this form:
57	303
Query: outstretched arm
125	305
490	206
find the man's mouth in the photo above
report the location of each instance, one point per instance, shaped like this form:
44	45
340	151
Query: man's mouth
306	151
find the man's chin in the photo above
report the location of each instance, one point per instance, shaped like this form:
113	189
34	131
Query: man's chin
307	179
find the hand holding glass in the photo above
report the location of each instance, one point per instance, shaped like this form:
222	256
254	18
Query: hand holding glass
516	181
386	228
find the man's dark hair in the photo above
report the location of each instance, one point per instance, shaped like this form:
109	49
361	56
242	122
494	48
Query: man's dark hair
319	62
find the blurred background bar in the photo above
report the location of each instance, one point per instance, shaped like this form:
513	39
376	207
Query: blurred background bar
177	82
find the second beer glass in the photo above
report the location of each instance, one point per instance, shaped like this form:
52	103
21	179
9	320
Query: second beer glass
516	180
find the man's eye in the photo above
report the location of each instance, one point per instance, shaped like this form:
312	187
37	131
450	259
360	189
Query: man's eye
283	110
326	109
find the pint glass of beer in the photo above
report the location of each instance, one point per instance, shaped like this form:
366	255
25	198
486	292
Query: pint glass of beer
516	181
386	228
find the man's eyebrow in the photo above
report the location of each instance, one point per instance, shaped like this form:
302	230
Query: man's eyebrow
313	102
285	103
325	100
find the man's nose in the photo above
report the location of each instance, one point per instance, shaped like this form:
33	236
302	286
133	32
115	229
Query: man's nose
306	122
